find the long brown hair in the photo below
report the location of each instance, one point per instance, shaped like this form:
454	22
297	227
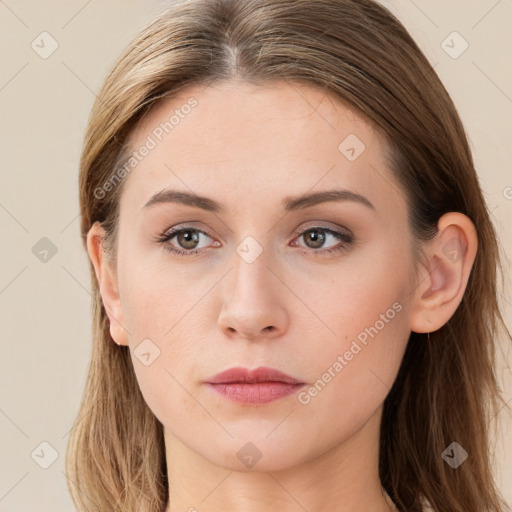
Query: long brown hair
446	389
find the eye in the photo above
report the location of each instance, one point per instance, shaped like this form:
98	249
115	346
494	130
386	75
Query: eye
187	237
316	237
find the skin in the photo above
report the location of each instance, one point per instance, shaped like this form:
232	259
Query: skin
248	147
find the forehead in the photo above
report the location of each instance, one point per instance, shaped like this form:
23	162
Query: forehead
243	143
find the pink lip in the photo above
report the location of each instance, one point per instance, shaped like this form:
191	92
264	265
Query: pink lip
255	387
261	374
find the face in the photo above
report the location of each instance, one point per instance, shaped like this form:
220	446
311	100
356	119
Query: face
318	289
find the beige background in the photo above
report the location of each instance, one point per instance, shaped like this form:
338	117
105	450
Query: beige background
45	103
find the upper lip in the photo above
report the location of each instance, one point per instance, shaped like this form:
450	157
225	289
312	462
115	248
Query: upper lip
261	374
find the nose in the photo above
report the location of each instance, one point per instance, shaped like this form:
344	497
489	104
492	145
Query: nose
253	305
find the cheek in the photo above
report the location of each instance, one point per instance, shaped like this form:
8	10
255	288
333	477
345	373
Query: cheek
353	375
157	300
365	318
345	300
161	314
163	353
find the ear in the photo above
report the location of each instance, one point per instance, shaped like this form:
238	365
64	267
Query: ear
442	283
107	282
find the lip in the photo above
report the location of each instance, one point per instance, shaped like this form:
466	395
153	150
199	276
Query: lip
261	374
254	387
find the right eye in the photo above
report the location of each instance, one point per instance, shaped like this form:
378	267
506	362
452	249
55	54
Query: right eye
184	236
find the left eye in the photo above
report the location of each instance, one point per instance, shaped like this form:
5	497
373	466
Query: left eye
317	240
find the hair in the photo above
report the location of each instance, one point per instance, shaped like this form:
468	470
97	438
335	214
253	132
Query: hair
359	53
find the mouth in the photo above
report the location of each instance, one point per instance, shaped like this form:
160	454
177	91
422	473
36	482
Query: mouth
254	387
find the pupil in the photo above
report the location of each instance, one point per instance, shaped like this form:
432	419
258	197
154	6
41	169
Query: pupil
189	237
318	239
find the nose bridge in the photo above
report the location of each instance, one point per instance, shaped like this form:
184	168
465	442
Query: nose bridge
251	274
251	304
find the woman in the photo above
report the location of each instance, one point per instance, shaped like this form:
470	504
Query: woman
294	271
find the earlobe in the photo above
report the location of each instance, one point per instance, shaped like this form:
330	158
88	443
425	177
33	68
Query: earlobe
441	285
107	282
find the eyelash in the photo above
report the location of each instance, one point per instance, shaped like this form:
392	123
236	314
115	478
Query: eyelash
345	237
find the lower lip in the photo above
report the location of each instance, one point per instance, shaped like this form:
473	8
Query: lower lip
255	394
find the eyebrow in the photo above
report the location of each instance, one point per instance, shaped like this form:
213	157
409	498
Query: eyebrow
289	203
